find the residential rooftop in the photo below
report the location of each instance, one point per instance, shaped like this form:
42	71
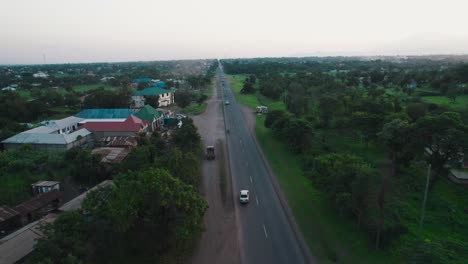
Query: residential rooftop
34	137
148	113
106	113
153	91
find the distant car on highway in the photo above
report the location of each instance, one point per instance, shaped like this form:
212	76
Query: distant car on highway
244	196
226	102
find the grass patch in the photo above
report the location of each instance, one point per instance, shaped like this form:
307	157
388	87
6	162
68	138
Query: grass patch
26	94
194	108
252	100
89	87
461	104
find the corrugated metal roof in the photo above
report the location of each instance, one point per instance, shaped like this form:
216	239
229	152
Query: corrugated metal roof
38	202
143	79
131	124
148	113
66	122
20	243
106	113
41	138
45	183
41	129
7	213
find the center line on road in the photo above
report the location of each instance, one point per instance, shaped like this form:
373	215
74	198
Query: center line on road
256	199
264	230
250	179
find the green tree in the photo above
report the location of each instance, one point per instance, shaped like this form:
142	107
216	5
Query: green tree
398	137
367	124
272	116
64	241
247	88
183	98
416	110
152	101
187	138
327	106
152	210
443	137
182	165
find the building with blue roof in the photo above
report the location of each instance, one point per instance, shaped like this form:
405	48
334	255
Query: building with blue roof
142	80
159	84
103	114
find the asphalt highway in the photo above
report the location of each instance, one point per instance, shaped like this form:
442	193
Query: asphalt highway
265	234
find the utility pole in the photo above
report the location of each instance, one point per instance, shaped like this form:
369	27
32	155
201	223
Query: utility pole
423	208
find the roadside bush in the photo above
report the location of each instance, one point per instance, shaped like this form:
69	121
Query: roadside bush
272	116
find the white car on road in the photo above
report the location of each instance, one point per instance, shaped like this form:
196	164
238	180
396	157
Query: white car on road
244	196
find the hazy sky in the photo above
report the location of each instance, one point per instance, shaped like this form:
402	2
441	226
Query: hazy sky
128	30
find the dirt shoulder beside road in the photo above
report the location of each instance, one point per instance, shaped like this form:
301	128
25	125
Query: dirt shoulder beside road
219	243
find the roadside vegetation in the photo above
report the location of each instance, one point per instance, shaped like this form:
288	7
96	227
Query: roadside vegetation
152	213
348	148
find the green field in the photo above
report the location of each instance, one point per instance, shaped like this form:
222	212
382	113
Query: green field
194	109
24	93
252	100
461	104
89	87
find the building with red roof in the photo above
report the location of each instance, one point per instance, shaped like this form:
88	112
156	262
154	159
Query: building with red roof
132	126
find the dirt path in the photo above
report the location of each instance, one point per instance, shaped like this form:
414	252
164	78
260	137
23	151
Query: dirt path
219	243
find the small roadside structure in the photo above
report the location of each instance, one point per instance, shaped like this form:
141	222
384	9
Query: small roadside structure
38	206
459	176
44	186
261	109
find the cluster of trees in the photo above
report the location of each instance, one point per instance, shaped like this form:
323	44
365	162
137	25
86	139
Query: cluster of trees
296	132
101	98
179	155
198	84
358	190
357	104
248	86
143	217
153	211
446	76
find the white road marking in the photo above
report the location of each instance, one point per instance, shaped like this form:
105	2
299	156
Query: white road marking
264	230
250	179
256	199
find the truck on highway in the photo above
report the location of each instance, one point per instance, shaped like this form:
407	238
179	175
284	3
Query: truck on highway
209	153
